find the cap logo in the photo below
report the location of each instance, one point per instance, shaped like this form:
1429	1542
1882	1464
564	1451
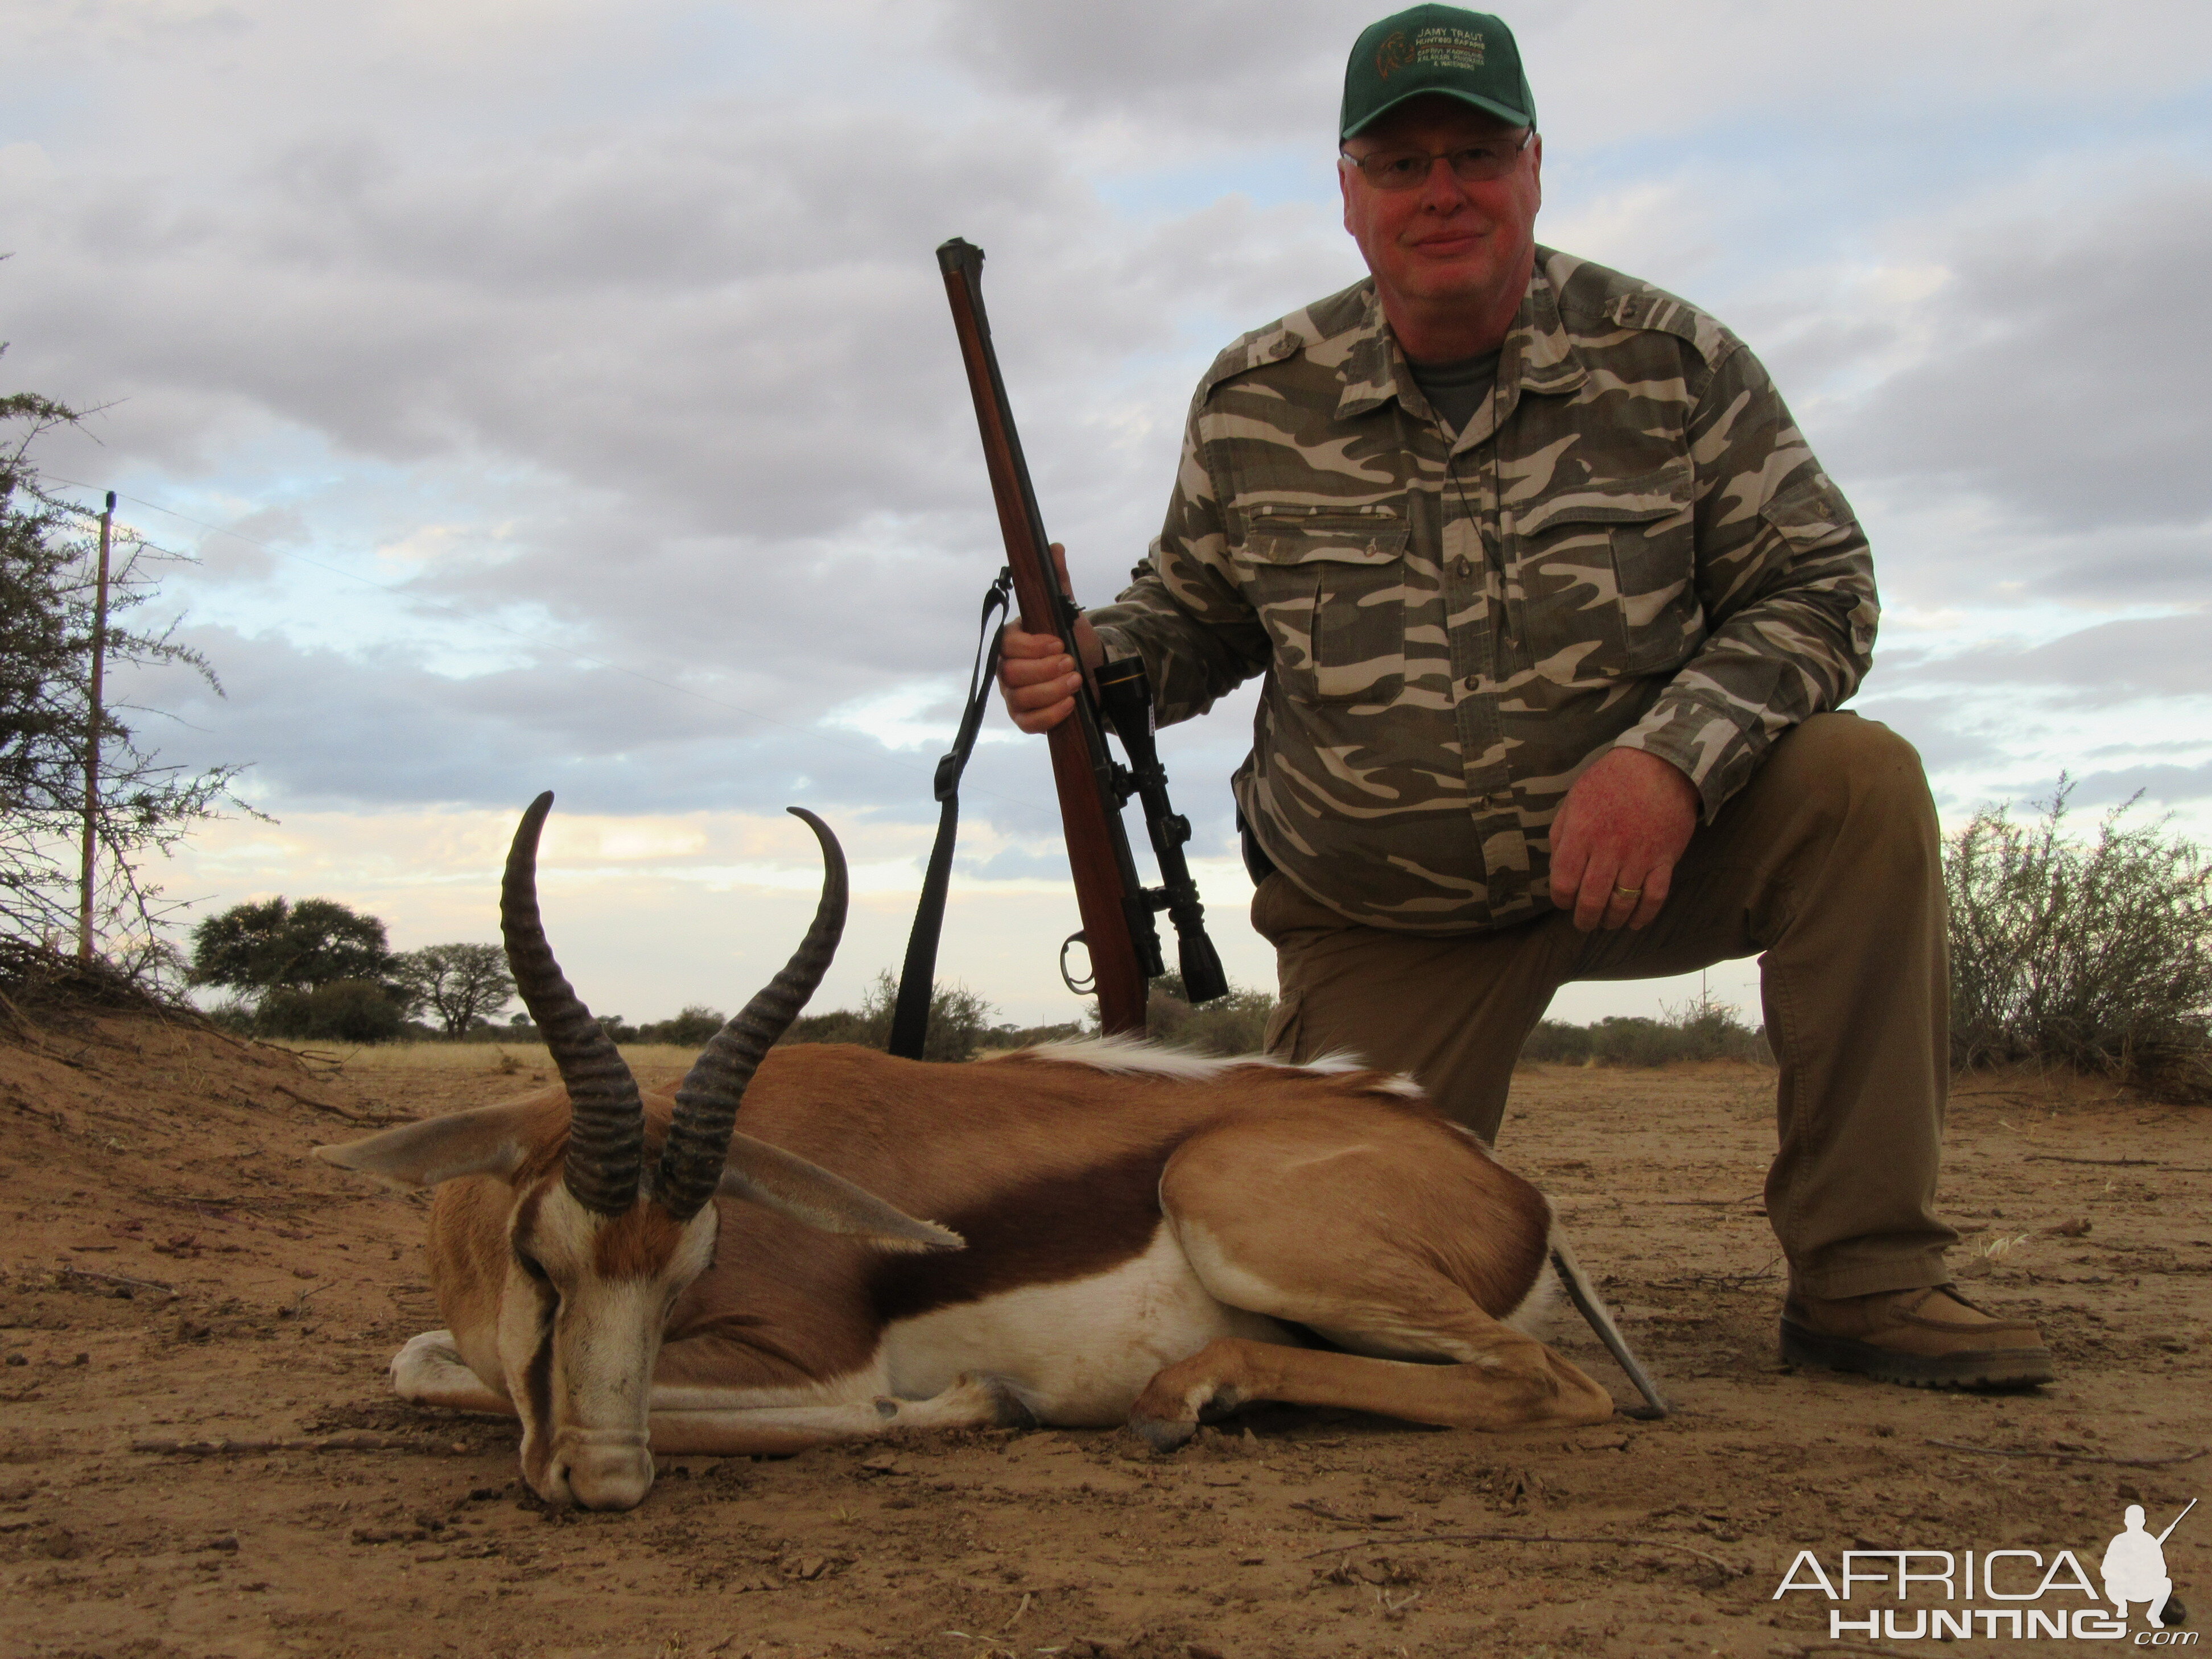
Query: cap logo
1393	54
1449	48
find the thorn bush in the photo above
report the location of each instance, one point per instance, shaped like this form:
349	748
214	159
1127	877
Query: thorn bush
2095	954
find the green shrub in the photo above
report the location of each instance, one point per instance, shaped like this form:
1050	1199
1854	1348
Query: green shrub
1028	1036
1704	1030
2095	954
344	1011
692	1029
1233	1024
1557	1043
959	1020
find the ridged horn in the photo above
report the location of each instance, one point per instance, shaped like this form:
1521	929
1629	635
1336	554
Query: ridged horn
706	1104
606	1128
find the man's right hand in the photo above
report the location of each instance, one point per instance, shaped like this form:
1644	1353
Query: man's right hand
1036	676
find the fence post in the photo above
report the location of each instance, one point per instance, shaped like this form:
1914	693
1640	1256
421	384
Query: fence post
92	739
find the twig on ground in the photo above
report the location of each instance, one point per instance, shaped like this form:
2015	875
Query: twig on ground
311	1058
1327	1513
325	1106
274	1204
250	1447
2059	1157
2075	1458
16	1016
1523	1537
69	1271
52	1120
1743	1281
1028	1596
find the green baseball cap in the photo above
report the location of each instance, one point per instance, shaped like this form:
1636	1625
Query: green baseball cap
1467	55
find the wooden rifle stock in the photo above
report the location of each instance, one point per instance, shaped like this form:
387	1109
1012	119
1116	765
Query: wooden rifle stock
1117	926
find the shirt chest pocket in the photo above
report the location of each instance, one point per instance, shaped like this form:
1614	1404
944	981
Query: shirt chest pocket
1330	588
1607	576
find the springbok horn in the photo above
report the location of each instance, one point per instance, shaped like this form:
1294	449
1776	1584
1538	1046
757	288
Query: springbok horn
706	1104
606	1128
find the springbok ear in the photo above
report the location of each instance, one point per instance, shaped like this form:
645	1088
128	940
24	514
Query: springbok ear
490	1140
808	1194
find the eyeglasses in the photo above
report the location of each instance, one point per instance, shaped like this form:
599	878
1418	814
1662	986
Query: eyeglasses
1471	164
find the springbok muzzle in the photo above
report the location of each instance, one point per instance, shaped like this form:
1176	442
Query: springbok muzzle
600	1469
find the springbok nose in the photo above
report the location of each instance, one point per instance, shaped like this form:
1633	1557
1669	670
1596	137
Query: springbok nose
610	1474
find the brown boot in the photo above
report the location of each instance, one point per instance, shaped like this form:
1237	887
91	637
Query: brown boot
1927	1338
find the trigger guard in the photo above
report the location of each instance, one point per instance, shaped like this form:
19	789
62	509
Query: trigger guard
1090	986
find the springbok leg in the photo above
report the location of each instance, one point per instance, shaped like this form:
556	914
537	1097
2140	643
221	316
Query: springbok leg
1382	1252
972	1403
1507	1388
430	1371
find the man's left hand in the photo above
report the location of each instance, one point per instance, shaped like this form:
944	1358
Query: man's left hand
1618	835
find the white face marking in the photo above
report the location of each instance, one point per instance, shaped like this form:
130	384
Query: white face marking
584	1386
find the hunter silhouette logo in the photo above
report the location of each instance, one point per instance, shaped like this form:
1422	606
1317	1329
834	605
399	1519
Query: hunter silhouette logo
1394	54
2134	1567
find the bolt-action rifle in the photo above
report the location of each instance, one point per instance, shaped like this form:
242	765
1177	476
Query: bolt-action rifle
1116	907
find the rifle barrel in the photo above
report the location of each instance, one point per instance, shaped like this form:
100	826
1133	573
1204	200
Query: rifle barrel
2176	1521
1098	847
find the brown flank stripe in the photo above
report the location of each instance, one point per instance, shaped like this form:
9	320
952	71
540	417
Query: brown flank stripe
1049	1231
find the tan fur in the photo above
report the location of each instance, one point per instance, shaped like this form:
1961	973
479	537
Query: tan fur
1088	1193
637	1245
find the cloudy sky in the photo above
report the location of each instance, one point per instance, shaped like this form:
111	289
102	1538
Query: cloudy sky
562	394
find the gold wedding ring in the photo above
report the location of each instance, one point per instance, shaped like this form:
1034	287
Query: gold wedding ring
1619	892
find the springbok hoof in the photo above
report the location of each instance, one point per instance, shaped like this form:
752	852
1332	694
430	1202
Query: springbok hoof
1162	1434
1007	1409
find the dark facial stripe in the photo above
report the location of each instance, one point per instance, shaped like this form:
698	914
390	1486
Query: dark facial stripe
538	1378
537	1375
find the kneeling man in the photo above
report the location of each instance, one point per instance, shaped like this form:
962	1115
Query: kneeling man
1555	610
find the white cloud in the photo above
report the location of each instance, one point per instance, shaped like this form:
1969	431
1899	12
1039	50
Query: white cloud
608	340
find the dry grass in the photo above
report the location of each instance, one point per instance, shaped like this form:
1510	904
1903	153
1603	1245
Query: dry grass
373	1060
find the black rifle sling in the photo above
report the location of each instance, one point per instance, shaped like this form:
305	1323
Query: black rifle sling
918	975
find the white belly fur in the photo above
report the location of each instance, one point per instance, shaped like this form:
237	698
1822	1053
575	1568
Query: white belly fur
1077	1353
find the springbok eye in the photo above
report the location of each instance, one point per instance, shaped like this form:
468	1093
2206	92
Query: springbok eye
532	1266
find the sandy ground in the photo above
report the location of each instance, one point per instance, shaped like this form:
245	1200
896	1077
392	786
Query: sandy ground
176	1272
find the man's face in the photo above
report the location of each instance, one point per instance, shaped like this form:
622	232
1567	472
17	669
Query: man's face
1447	241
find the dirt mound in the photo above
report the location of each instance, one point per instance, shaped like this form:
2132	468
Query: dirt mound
178	1276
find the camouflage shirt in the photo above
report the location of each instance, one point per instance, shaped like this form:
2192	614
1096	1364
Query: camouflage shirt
1629	545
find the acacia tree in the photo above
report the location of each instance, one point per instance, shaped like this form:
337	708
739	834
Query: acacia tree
141	807
464	984
317	969
274	945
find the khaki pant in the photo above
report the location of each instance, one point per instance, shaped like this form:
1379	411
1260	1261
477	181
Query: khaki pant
1828	867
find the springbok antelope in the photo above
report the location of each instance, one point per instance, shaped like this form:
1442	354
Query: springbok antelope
1122	1232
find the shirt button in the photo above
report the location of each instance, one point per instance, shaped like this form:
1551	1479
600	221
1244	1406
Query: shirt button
1462	567
1473	682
